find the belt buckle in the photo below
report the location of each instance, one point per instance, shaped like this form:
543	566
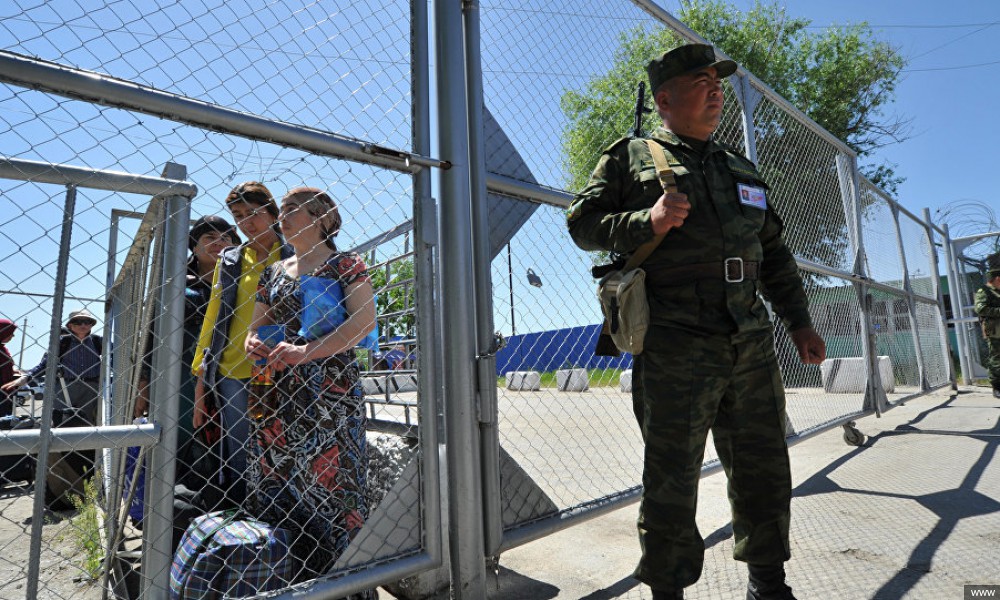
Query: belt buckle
736	260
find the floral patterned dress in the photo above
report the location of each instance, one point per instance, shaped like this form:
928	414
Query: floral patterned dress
308	459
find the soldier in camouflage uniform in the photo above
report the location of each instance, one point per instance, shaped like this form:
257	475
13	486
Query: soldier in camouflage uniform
988	309
708	361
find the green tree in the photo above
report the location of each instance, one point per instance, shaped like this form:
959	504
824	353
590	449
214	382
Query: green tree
394	297
842	77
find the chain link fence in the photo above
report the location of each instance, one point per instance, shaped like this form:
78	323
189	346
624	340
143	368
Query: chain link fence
868	269
99	97
235	92
967	272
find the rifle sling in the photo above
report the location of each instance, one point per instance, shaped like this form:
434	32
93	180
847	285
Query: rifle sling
666	176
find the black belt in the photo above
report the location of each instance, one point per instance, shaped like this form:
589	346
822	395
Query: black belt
731	270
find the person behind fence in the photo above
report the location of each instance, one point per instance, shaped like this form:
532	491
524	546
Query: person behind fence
209	236
7	331
220	364
309	459
708	361
79	370
988	308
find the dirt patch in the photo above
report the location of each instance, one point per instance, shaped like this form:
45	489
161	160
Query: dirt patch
60	575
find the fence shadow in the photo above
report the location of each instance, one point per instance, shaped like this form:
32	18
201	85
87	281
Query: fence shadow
949	506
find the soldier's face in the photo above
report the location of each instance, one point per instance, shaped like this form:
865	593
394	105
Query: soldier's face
691	104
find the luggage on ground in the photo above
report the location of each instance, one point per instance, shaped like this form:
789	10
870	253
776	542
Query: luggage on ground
225	555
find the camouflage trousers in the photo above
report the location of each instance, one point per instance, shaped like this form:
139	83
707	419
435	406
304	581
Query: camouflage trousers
684	385
993	361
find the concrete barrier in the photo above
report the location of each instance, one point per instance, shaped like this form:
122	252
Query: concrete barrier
848	375
572	380
524	381
377	384
625	381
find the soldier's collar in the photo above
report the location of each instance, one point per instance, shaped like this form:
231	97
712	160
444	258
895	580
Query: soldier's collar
663	134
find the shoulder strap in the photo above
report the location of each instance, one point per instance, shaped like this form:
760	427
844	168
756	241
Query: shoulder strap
64	341
666	176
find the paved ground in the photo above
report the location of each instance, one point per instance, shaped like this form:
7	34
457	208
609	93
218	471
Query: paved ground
914	514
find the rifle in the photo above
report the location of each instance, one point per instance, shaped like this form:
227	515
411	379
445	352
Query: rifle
640	110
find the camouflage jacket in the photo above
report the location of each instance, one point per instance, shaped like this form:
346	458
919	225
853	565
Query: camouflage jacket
612	213
988	309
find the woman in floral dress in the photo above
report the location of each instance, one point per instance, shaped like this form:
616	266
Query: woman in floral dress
308	458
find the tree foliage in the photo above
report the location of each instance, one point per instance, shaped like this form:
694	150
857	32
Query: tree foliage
395	298
841	77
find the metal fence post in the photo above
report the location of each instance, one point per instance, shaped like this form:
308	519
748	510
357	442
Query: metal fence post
851	195
487	382
911	305
158	526
465	524
957	310
939	294
749	97
51	389
425	240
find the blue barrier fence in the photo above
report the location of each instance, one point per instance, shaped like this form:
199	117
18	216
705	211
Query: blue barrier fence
557	349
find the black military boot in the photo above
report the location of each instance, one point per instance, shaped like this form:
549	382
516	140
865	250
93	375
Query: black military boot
768	583
668	594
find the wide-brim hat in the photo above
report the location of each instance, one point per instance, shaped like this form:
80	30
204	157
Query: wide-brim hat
685	59
82	314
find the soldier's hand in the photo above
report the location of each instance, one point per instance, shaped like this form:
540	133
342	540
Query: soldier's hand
811	347
669	211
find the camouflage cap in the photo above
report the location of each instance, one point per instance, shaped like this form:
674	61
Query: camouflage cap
685	59
993	265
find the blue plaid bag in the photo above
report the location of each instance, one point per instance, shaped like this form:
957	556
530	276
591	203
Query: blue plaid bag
223	556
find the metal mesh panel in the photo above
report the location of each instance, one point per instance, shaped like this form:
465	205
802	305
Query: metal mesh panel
575	444
801	169
883	262
532	54
368	198
935	356
833	305
919	256
894	338
730	129
344	68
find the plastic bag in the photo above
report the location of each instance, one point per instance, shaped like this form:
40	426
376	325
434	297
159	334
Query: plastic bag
323	307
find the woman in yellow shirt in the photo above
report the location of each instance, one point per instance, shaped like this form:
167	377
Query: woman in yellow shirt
220	362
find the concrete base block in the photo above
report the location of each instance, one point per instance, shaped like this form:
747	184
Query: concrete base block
625	381
377	384
847	375
572	380
524	381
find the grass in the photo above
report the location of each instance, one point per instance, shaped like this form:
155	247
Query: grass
598	378
86	531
